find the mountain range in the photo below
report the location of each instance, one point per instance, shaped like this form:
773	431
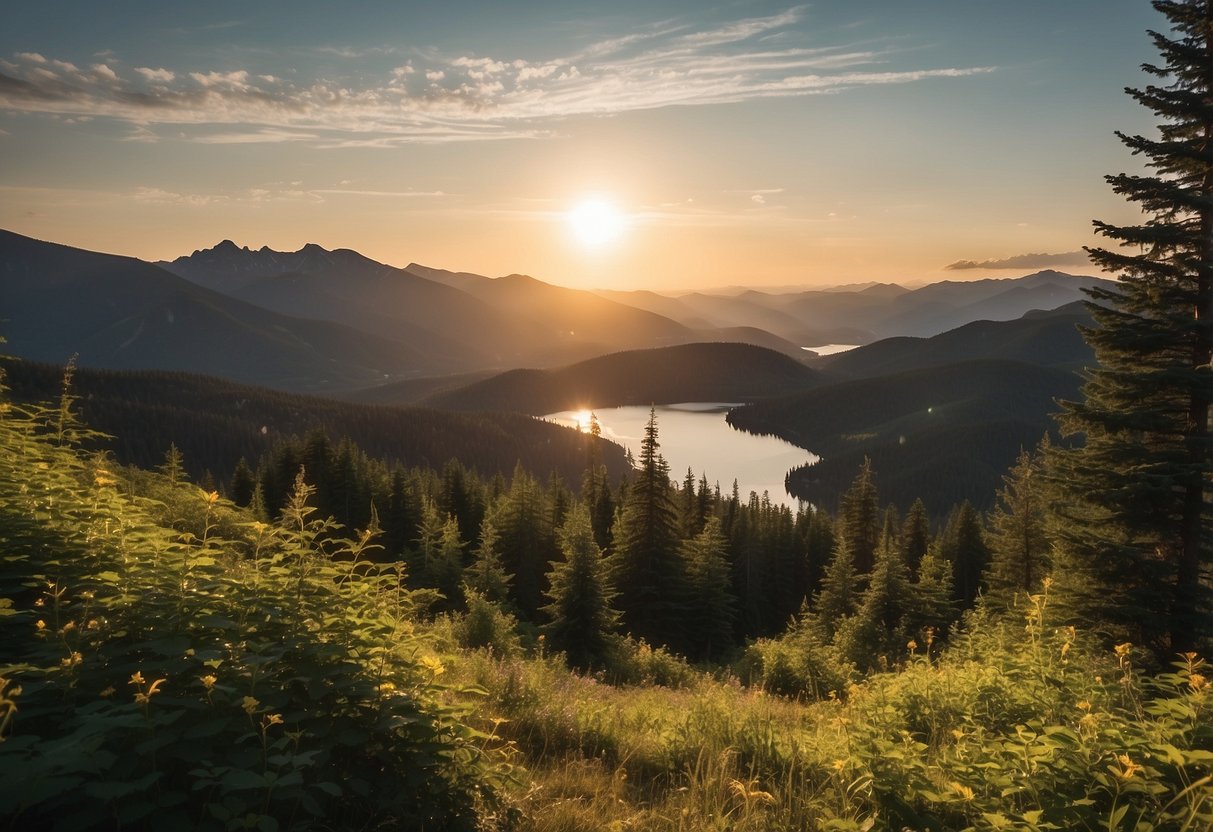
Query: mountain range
339	324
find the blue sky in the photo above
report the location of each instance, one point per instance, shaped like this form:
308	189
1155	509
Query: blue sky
740	143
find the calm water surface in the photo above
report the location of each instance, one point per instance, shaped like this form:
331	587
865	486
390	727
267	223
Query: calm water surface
695	435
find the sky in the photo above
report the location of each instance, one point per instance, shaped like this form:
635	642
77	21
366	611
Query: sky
665	144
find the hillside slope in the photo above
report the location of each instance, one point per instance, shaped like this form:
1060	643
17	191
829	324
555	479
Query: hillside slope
944	434
215	422
691	372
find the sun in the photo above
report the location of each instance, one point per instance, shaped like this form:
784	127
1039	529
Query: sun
596	222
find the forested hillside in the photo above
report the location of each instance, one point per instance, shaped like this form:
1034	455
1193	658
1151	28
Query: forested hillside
215	423
944	434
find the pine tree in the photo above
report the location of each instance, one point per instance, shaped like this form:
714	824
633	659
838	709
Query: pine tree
487	575
1136	510
915	536
1019	541
580	596
963	545
173	466
528	541
878	627
839	590
649	572
859	514
242	485
711	605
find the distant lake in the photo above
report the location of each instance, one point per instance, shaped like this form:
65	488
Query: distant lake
695	435
831	349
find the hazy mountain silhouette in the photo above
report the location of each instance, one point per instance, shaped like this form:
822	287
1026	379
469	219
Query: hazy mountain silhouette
122	313
1047	338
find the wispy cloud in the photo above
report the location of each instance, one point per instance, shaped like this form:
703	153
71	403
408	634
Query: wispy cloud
458	97
1024	261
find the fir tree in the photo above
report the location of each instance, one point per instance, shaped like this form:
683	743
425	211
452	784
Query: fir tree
487	575
878	628
1018	540
839	590
859	514
915	536
711	605
963	545
582	618
242	484
1135	512
649	571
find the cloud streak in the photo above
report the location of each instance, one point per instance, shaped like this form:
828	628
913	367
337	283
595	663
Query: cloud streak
1024	261
457	97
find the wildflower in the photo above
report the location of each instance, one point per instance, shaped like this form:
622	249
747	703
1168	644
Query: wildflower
965	792
387	687
1084	705
911	645
1197	681
108	692
136	678
212	497
839	765
250	705
208	681
68	627
40	625
271	719
433	665
1122	650
72	660
1127	769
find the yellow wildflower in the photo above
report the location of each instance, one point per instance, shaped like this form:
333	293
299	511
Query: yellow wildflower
911	645
1197	681
1127	769
208	681
40	625
136	678
108	692
271	719
964	791
433	665
72	660
1122	650
250	705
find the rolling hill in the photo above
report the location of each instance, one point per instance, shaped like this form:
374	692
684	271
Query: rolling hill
1050	339
944	433
690	372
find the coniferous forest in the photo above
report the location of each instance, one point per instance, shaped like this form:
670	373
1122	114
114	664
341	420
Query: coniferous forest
371	618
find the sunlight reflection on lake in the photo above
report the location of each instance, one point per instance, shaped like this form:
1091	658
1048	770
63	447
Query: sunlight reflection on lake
695	435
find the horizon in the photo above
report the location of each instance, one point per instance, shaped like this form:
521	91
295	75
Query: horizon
669	146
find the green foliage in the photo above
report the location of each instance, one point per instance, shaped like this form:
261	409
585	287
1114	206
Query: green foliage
485	624
582	617
1134	519
710	603
798	664
649	572
176	678
1019	540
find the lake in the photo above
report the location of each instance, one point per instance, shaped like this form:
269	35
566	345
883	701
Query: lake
695	435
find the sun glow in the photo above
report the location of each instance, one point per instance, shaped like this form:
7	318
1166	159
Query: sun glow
596	223
583	420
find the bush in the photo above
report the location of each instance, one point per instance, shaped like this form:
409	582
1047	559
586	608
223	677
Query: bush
160	678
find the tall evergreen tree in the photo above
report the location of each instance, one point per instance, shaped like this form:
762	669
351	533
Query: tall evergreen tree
963	544
240	489
649	571
839	594
859	514
878	628
915	536
1019	541
582	618
528	541
1136	511
487	575
711	605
